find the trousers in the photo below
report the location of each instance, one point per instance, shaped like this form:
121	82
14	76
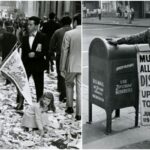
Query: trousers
69	80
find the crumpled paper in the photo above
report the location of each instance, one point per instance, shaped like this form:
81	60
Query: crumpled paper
62	132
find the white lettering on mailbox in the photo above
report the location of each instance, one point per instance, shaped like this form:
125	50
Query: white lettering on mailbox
124	67
98	89
144	85
123	87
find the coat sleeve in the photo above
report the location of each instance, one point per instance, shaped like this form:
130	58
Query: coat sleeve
65	51
52	43
38	117
143	37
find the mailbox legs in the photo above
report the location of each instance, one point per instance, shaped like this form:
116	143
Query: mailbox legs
108	121
117	113
90	112
136	115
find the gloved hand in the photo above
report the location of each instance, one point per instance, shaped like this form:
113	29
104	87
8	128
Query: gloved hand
112	42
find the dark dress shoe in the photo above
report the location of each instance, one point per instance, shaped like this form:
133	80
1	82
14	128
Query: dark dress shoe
52	69
7	82
64	100
69	110
19	107
20	112
77	117
26	129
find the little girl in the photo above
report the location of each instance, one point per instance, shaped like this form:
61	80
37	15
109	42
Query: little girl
35	116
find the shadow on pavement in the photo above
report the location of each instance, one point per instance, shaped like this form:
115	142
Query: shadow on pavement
96	130
140	145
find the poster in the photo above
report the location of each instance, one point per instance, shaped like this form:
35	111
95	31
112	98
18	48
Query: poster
143	63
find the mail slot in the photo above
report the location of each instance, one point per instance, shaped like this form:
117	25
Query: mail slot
113	78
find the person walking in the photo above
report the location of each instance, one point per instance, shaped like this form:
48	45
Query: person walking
99	13
70	65
33	56
49	28
132	14
55	46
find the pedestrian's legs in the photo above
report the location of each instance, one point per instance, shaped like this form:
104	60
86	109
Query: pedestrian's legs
20	101
38	78
51	65
62	88
47	66
69	80
99	15
7	82
78	94
58	72
60	80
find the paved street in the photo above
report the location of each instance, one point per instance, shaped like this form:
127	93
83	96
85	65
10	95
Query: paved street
139	22
123	133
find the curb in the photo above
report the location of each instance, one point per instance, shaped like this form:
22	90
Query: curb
113	24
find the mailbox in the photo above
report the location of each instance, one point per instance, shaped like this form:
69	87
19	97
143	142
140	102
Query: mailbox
113	78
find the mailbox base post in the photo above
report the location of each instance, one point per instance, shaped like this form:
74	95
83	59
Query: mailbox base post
108	121
136	116
117	114
90	112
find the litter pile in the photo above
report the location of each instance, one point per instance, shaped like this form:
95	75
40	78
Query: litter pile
62	132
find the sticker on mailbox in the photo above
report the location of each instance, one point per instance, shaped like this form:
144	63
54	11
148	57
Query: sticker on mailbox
123	87
98	89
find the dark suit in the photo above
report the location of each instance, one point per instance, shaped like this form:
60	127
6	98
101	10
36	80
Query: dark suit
49	28
35	66
8	42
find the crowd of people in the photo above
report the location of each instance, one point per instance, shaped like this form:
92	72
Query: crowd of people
44	41
128	13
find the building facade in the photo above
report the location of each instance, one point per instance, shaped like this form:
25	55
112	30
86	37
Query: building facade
43	8
109	8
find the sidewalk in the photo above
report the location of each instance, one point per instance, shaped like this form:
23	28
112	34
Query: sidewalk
117	21
123	135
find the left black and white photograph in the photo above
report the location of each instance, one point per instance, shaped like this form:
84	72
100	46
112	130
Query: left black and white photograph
40	75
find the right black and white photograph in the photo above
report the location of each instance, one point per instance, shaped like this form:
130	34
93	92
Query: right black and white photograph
116	74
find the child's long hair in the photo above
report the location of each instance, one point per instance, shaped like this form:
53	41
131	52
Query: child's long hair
48	95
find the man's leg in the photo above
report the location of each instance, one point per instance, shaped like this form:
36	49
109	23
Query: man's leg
69	80
78	96
60	80
58	72
62	88
38	78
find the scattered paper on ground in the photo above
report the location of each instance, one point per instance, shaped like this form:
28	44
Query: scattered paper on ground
63	132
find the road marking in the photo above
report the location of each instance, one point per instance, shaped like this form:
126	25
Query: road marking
103	28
